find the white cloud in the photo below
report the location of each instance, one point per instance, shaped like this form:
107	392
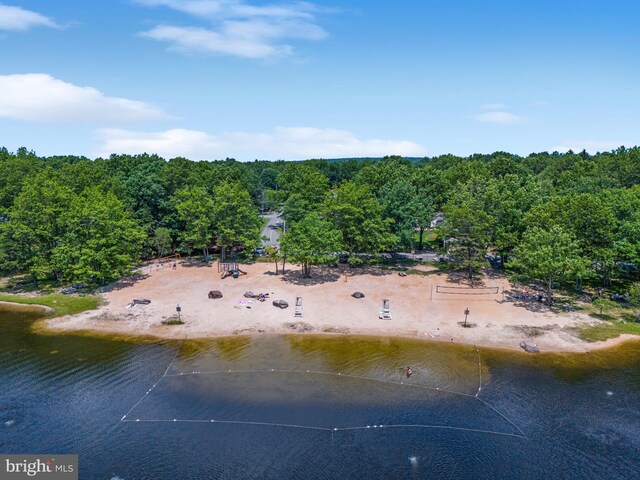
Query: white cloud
493	106
498	117
289	143
40	97
215	9
236	28
591	146
194	39
19	19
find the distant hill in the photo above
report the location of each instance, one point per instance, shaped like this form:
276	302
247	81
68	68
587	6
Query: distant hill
364	159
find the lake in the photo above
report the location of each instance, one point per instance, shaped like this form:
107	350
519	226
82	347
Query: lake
325	407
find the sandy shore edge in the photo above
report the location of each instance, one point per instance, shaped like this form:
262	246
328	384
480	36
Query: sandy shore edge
50	326
418	311
27	306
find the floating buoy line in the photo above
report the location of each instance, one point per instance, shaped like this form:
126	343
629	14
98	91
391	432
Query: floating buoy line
127	419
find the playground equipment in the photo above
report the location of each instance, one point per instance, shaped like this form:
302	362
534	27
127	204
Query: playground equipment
298	311
385	313
229	268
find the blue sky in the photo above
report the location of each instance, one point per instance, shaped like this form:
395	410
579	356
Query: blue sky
210	79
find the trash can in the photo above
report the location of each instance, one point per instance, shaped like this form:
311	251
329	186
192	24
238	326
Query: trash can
235	274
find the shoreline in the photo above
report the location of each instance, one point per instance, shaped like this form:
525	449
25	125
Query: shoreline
27	306
44	326
417	311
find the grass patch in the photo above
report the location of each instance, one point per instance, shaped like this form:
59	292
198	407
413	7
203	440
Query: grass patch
532	331
467	324
61	304
429	238
617	319
172	321
605	331
264	259
413	271
610	310
602	316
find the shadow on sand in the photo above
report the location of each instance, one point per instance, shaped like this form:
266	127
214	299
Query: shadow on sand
193	263
462	278
320	275
533	303
124	282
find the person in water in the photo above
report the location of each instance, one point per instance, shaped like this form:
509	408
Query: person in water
409	372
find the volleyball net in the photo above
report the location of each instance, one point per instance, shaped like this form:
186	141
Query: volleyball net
451	290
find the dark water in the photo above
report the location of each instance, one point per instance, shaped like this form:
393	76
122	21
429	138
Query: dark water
333	407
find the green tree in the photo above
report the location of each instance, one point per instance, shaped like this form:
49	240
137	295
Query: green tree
14	172
634	294
627	245
503	164
35	223
311	241
297	206
274	255
467	225
196	209
101	241
399	202
388	171
429	181
506	202
625	205
145	196
548	255
302	189
357	215
236	218
410	210
591	222
463	172
162	241
604	304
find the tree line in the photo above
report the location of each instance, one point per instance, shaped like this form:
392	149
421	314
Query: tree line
552	217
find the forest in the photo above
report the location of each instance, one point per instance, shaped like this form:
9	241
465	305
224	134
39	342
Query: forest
571	219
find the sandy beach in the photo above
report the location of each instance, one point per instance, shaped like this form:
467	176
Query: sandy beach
419	308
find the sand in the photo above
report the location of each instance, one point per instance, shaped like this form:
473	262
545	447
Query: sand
26	306
417	309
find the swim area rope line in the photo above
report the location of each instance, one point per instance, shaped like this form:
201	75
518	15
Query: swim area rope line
125	418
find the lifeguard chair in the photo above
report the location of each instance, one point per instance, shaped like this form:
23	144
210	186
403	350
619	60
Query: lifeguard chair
385	313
